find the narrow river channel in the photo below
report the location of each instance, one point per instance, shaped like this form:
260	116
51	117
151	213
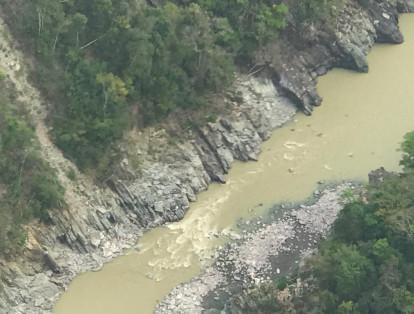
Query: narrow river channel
358	128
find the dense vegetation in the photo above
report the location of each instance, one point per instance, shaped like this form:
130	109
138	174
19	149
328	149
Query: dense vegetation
367	265
108	64
113	58
28	186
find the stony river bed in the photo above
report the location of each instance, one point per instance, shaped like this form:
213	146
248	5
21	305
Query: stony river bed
265	247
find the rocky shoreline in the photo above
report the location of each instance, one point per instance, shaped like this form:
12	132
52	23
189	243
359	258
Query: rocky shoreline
157	180
267	247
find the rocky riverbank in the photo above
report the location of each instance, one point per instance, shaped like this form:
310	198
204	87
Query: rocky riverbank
159	175
267	247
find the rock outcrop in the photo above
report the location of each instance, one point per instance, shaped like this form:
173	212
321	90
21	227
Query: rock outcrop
301	55
159	176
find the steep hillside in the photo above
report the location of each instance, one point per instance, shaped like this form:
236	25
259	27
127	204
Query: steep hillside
158	170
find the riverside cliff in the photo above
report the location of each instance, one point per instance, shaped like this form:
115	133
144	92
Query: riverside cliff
158	179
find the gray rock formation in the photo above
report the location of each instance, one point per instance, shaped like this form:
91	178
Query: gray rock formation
158	179
295	61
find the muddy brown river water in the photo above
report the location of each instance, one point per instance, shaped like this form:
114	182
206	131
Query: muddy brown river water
358	128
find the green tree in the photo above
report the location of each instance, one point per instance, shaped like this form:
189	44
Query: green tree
357	221
382	250
254	22
95	114
347	307
309	11
407	148
344	270
404	300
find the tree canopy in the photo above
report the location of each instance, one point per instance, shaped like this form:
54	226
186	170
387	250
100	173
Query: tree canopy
102	58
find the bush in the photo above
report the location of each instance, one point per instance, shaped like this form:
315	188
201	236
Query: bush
407	148
71	174
246	25
314	10
2	75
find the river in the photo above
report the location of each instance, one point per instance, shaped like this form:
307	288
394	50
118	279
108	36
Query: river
358	128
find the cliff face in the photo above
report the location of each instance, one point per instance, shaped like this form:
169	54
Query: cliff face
158	179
